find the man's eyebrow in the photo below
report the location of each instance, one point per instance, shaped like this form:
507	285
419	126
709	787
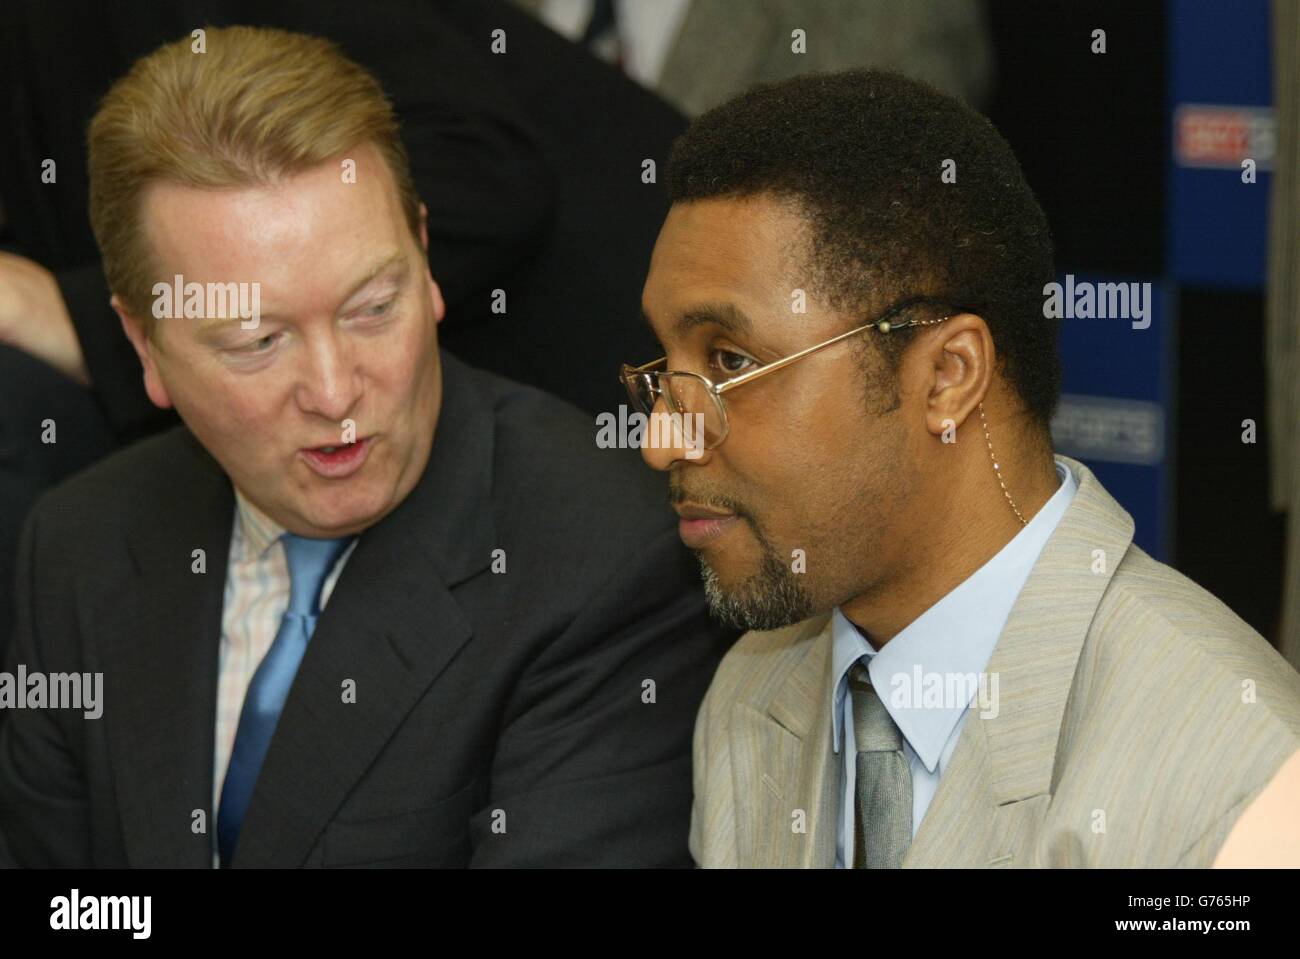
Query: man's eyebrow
369	276
374	271
728	316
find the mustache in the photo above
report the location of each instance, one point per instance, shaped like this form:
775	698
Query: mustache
677	493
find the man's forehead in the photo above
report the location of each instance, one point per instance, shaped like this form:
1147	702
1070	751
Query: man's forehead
751	241
717	260
352	182
339	242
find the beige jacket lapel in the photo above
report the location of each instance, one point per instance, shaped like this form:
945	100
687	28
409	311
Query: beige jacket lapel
994	794
993	797
791	787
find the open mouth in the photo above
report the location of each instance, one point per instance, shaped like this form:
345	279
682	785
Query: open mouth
338	460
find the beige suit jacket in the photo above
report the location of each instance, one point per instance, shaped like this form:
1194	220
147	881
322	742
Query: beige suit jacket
1138	718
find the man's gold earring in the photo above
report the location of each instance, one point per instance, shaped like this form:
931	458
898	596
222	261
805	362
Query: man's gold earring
998	469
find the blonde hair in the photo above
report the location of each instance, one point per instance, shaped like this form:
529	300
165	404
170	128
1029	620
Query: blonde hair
257	105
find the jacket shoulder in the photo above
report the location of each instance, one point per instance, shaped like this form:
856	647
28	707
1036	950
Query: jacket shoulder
758	665
128	485
1178	715
1156	615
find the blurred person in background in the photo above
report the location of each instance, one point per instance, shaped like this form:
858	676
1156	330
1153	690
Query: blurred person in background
698	53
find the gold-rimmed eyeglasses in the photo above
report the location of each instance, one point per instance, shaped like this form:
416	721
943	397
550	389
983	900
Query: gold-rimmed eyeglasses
686	392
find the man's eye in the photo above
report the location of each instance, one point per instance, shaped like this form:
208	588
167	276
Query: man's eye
729	363
257	345
375	310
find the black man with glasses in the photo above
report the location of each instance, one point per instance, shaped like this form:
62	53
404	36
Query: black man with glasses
956	654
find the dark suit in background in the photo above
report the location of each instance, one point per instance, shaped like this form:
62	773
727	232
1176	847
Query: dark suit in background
574	307
476	691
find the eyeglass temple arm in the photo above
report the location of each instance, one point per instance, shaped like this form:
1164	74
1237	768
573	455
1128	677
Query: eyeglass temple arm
648	367
786	361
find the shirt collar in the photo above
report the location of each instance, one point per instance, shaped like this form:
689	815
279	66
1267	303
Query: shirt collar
955	636
258	531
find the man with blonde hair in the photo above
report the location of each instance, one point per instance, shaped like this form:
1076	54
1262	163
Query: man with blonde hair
369	605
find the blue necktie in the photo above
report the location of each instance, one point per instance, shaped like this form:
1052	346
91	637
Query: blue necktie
310	560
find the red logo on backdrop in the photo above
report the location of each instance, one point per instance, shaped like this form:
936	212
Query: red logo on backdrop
1221	137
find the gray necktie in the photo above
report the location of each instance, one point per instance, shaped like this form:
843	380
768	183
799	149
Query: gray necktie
882	823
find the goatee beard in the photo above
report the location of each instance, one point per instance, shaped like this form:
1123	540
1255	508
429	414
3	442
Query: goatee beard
770	599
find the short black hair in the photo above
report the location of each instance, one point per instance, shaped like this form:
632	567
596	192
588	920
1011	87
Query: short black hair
861	154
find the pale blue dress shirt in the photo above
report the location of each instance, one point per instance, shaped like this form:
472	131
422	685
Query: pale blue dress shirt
953	638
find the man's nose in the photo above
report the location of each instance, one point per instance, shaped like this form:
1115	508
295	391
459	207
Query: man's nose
329	386
672	437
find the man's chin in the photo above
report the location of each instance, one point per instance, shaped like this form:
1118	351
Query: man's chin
344	516
769	598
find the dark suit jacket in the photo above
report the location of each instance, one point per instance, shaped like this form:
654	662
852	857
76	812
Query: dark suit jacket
476	691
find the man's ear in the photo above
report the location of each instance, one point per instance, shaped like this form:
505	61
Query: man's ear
435	292
135	332
957	361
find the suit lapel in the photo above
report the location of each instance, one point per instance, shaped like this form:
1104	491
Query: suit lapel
994	795
160	647
992	799
785	770
391	627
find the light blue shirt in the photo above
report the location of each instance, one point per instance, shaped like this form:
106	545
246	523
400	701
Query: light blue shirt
931	672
